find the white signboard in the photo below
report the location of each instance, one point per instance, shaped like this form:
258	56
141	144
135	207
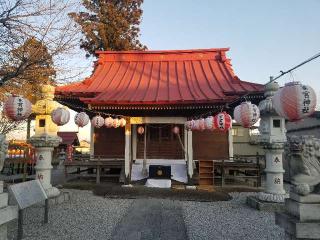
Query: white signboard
28	193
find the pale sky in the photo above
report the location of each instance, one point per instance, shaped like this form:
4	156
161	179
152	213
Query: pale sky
264	37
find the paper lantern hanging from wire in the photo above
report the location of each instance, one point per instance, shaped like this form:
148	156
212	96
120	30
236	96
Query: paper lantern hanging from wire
81	119
116	123
108	122
60	116
246	114
201	124
97	121
140	130
17	108
176	130
222	121
196	125
294	101
122	122
208	123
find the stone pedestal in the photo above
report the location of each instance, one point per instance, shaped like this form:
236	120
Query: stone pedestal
44	147
7	213
301	219
274	190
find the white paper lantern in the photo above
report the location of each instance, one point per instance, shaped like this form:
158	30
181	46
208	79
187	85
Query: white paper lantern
140	130
193	125
295	101
60	116
17	108
201	124
116	123
196	125
81	119
222	121
122	122
108	122
208	123
176	130
97	121
246	114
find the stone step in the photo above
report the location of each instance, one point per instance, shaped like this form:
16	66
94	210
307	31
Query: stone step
8	214
3	200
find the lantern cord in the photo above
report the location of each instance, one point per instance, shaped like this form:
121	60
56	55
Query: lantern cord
295	67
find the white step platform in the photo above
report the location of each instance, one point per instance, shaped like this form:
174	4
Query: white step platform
158	183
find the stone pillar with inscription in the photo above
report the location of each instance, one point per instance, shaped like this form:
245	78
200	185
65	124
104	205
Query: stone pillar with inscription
45	138
272	138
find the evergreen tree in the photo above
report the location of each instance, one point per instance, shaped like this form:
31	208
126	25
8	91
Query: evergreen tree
110	25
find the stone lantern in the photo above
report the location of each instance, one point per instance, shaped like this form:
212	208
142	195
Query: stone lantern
45	138
272	138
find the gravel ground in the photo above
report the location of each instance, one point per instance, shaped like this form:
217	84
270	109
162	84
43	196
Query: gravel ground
229	220
85	217
89	217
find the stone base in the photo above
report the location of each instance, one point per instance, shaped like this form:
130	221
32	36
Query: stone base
52	192
260	205
298	230
303	211
271	197
61	198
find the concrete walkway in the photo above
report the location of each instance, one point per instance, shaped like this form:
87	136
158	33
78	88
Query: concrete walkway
154	219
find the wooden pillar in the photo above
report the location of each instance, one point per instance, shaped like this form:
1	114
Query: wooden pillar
190	154
92	140
134	142
230	142
127	153
144	165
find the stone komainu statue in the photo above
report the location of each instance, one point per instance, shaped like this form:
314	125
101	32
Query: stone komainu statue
3	150
304	155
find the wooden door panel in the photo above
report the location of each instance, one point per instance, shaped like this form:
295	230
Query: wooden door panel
109	142
210	145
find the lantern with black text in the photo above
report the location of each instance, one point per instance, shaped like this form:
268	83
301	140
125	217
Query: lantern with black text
17	108
60	116
108	122
222	121
246	114
294	101
81	119
97	121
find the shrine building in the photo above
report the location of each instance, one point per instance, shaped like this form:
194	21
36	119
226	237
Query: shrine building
159	90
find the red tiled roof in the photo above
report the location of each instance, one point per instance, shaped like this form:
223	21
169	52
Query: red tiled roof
160	77
69	138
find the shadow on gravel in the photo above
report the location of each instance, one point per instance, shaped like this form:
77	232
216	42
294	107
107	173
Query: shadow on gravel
116	191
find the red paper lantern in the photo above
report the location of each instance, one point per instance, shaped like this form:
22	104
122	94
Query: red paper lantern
209	123
81	119
17	108
176	130
108	122
116	123
246	114
223	121
294	101
60	116
140	130
122	122
97	121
